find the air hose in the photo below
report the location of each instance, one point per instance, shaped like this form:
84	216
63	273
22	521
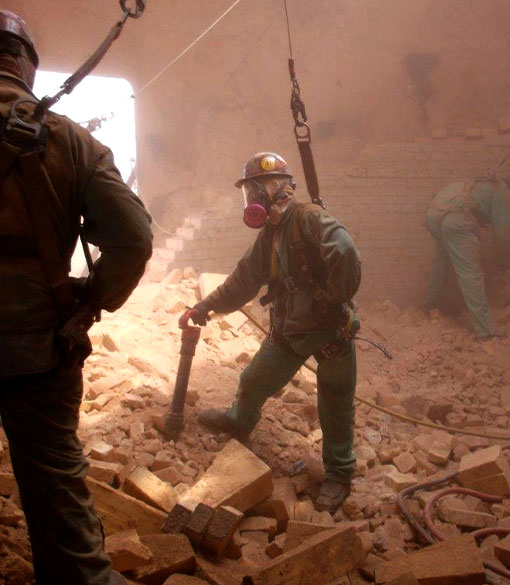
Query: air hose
375	406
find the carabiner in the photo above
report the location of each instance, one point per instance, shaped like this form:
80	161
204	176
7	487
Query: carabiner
136	12
306	136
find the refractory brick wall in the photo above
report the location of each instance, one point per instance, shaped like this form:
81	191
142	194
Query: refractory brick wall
382	202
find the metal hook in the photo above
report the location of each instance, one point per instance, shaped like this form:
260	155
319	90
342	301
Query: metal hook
135	12
15	122
306	136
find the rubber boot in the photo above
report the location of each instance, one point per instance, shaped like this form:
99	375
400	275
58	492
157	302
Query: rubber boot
217	421
497	331
331	495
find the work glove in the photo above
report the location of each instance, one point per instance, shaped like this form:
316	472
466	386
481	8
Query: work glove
352	323
346	318
73	339
199	314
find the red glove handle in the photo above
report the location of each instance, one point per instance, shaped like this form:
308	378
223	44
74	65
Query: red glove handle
185	317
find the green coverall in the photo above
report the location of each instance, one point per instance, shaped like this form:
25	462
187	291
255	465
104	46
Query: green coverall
300	326
454	218
40	385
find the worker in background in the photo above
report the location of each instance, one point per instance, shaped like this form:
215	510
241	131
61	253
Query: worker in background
312	269
454	217
59	167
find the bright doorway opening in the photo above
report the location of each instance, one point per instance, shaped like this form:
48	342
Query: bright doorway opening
105	106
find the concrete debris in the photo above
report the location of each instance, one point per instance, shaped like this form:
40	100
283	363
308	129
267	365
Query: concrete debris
257	498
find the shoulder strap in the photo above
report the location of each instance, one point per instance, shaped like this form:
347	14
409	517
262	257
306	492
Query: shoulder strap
19	145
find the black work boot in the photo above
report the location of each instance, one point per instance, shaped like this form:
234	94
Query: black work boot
217	421
497	331
331	495
117	579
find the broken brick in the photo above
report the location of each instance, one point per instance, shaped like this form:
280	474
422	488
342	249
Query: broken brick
172	553
453	561
177	519
320	560
237	478
146	486
196	526
126	551
502	551
486	470
221	529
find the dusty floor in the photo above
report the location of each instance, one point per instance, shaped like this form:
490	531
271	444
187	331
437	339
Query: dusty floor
438	369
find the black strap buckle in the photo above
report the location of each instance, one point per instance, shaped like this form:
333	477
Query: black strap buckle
137	11
29	136
330	350
290	284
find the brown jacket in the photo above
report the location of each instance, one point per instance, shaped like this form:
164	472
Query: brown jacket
87	184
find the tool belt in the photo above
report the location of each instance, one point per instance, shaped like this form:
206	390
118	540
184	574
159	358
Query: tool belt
330	351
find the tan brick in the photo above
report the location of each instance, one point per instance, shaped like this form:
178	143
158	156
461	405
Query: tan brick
237	478
176	519
209	281
126	551
486	469
101	451
335	552
268	525
146	486
196	525
399	481
300	532
118	511
454	561
466	518
405	462
106	472
439	453
172	553
221	529
502	551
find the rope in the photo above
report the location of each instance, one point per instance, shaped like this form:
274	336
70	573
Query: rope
402	417
288	27
184	51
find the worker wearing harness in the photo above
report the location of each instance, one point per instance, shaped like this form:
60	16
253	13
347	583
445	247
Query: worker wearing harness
52	172
454	218
312	269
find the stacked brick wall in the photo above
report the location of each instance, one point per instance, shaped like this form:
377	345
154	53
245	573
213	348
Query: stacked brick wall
382	202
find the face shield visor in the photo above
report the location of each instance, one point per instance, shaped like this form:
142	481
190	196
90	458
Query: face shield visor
255	203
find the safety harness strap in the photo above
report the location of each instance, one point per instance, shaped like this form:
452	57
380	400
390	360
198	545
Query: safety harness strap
18	146
305	151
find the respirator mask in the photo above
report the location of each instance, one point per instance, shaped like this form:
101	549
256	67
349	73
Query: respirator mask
256	204
259	205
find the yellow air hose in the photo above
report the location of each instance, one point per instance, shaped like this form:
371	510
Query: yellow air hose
403	417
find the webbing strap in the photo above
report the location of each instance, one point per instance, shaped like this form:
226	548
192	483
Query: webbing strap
305	150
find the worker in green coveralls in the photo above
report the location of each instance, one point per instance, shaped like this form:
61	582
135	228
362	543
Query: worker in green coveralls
312	269
455	216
